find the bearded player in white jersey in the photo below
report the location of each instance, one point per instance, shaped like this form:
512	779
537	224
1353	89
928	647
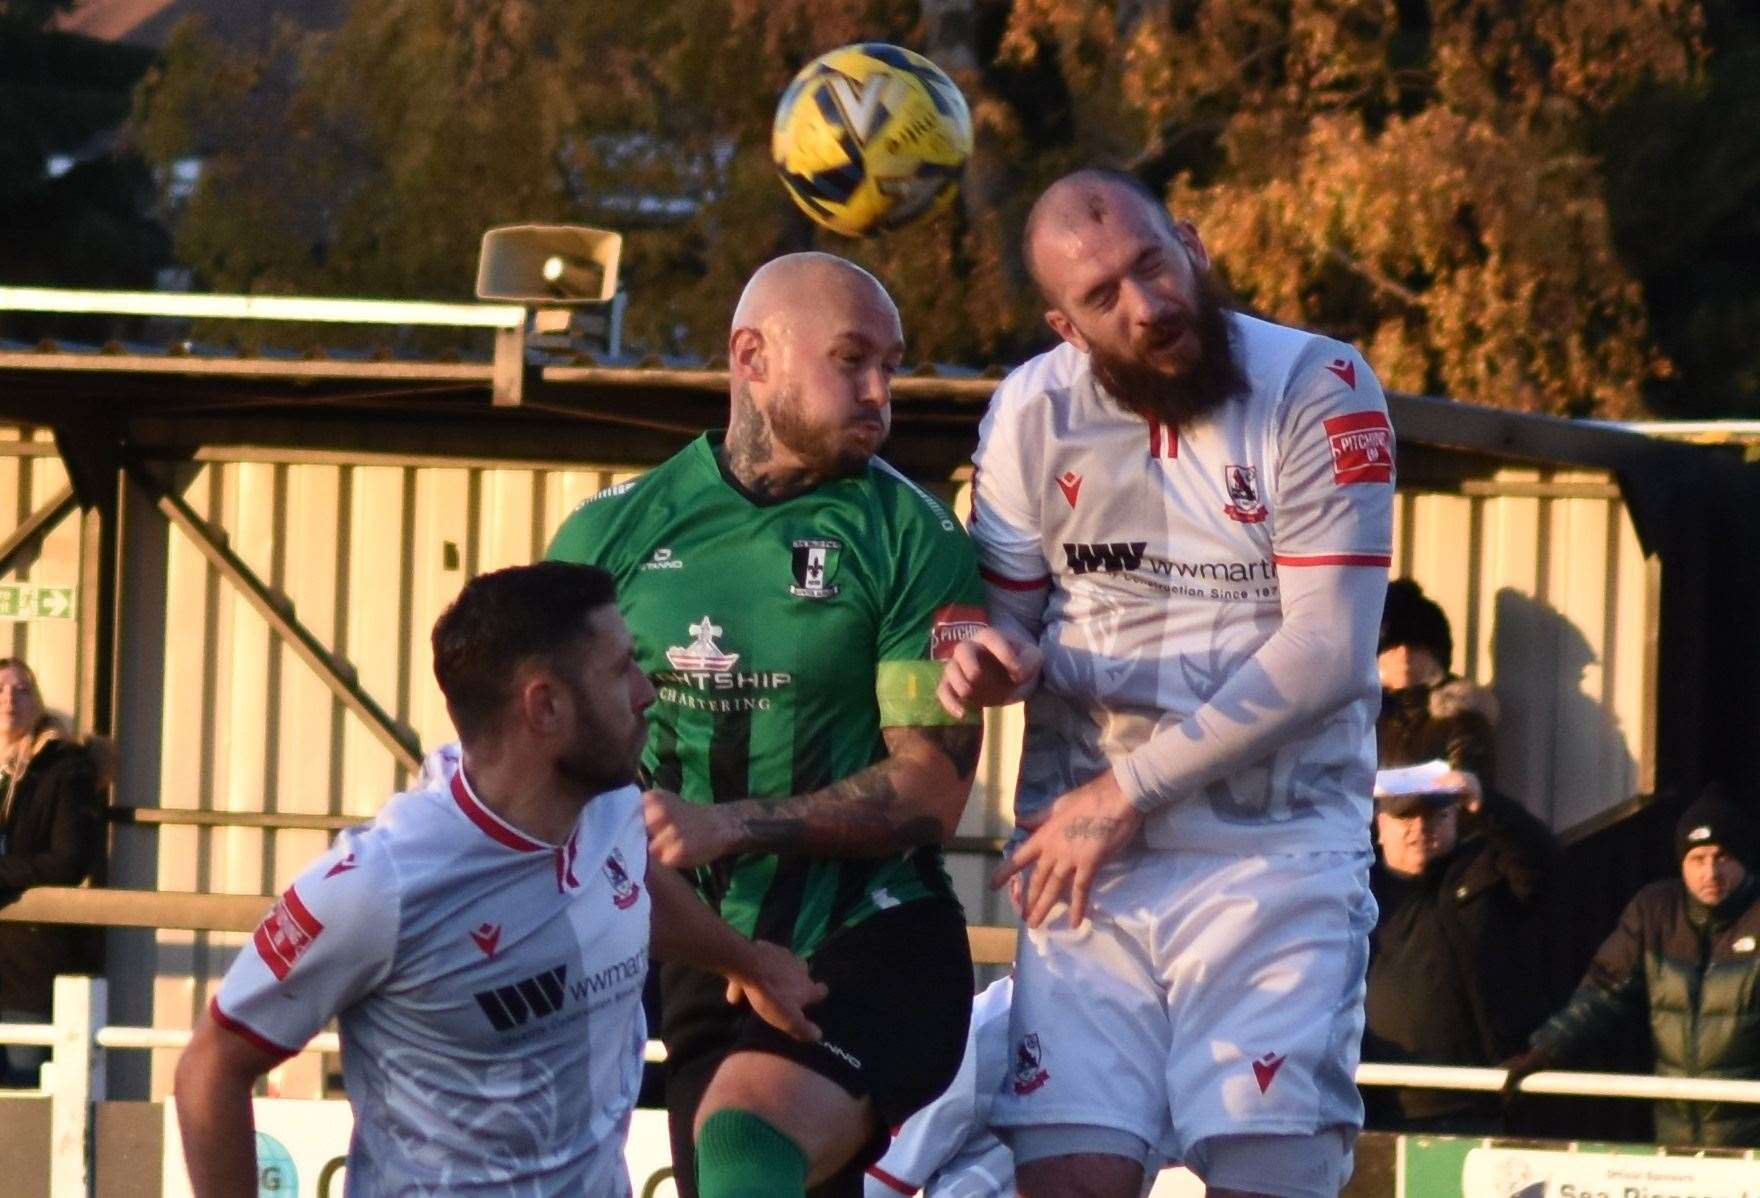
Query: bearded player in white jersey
485	939
1188	513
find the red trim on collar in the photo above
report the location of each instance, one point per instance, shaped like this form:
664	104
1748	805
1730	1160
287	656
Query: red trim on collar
492	825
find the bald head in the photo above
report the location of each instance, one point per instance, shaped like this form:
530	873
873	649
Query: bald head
797	285
1081	204
814	345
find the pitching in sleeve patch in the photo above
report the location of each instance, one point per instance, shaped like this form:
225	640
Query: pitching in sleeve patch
1362	448
285	934
952	624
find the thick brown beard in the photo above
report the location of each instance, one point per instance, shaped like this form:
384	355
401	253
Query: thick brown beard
824	450
1180	399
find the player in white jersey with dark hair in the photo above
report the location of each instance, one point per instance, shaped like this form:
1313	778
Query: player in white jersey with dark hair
485	939
1188	511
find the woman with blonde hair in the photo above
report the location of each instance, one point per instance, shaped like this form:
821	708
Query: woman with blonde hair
51	834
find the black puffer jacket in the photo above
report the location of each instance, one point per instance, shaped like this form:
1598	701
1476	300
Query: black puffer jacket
1695	971
53	828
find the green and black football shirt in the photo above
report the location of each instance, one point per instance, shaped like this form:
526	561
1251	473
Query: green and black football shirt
781	637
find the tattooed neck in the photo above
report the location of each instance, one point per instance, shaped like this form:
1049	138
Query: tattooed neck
750	450
772	482
749	446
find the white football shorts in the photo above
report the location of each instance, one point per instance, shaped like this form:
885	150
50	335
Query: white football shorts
1204	996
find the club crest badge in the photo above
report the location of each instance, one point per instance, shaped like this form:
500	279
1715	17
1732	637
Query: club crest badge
1244	504
1029	1069
815	563
624	890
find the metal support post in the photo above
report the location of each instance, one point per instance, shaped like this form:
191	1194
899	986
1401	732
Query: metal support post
91	450
76	1082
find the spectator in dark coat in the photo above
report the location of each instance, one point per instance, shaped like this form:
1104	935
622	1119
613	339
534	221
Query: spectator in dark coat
1427	712
1461	875
1685	956
1453	967
51	834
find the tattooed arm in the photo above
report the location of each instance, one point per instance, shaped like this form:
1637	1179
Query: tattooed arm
913	797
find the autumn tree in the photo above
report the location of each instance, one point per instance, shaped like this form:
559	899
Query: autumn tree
1417	177
1422	176
1681	173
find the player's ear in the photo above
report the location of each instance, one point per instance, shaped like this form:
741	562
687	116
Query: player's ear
539	701
1187	233
1064	327
746	354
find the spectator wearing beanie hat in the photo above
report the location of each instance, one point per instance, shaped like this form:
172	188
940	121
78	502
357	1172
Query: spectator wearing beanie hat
1454	962
1714	844
1686	956
1427	712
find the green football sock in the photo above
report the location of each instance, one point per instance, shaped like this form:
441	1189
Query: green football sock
741	1156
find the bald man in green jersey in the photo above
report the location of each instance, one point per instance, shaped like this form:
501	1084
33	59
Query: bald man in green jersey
792	597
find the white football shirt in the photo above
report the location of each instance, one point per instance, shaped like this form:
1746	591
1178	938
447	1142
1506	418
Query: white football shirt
488	988
1159	552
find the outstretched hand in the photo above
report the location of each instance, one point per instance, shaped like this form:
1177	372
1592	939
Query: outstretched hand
1075	836
1521	1065
991	669
1466	784
779	988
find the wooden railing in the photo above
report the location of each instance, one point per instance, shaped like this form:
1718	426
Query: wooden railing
183	911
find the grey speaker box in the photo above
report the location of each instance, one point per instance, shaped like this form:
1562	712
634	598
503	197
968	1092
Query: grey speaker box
549	265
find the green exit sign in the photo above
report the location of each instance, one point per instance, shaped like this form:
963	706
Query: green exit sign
34	601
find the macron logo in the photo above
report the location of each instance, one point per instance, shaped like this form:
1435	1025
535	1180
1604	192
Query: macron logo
341	867
1346	371
1265	1069
487	938
1070	483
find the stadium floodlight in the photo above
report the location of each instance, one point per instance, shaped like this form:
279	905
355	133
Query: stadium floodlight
566	275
